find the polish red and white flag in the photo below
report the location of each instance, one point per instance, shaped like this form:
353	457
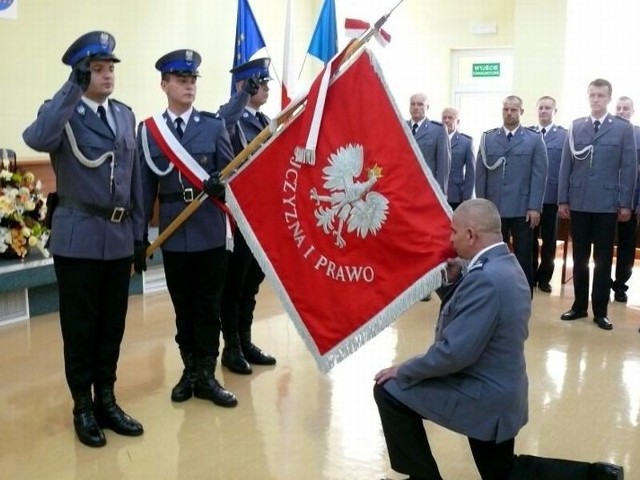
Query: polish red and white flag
352	240
354	28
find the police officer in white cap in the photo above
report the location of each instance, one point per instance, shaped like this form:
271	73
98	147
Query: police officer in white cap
91	141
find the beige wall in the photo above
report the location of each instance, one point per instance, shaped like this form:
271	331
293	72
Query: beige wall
424	33
539	51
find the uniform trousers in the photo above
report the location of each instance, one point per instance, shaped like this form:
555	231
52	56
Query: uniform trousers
544	256
597	229
626	254
195	281
409	450
521	236
94	296
244	277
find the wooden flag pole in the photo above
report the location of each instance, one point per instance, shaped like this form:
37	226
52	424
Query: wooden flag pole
350	50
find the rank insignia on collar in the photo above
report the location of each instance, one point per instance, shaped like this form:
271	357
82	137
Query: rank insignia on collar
80	109
203	160
196	119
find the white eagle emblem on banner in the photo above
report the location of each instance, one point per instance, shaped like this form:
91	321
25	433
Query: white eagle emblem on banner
352	202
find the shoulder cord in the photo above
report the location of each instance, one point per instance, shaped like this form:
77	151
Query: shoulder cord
483	154
586	152
147	155
85	161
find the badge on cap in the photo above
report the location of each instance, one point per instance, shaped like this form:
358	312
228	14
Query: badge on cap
104	39
188	56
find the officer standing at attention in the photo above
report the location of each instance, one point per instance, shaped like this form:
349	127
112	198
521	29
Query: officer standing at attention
244	275
597	181
432	139
626	252
511	172
195	256
554	136
462	175
91	141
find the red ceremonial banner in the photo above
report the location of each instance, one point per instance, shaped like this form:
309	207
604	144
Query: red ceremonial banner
354	240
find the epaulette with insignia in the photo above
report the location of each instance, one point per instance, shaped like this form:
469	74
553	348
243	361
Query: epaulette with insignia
120	103
465	135
533	129
493	130
620	118
210	114
479	265
436	123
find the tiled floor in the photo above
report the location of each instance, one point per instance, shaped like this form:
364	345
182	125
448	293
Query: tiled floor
296	423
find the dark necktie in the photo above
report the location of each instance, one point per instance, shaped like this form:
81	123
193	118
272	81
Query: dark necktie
102	113
509	136
414	128
179	129
543	131
262	119
596	126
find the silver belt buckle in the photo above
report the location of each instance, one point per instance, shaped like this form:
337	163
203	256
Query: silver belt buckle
117	214
187	194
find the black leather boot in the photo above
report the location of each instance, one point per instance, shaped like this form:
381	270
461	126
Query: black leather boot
184	388
110	415
84	421
233	359
253	354
207	387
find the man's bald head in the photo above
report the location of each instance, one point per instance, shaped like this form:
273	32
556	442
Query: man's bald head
475	225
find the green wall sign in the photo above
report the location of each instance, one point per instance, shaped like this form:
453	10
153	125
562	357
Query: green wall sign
485	69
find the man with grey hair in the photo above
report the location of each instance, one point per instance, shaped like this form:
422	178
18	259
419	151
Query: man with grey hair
476	362
462	174
432	139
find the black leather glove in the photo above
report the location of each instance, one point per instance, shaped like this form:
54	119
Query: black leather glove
252	85
213	187
140	256
81	73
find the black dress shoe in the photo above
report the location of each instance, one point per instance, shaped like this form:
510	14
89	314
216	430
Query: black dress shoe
114	418
253	354
233	359
544	287
573	315
88	430
620	297
210	389
603	322
606	471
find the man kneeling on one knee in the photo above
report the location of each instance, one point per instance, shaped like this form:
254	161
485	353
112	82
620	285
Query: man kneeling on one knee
473	378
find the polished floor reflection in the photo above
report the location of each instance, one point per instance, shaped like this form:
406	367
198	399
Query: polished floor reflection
293	422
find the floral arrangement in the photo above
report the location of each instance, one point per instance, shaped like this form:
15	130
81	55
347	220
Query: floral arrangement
23	210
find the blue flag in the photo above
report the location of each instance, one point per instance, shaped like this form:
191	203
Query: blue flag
248	37
324	43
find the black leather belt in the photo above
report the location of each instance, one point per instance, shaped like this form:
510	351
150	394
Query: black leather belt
113	214
186	196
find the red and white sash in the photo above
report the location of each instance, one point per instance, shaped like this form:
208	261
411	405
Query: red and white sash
187	165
